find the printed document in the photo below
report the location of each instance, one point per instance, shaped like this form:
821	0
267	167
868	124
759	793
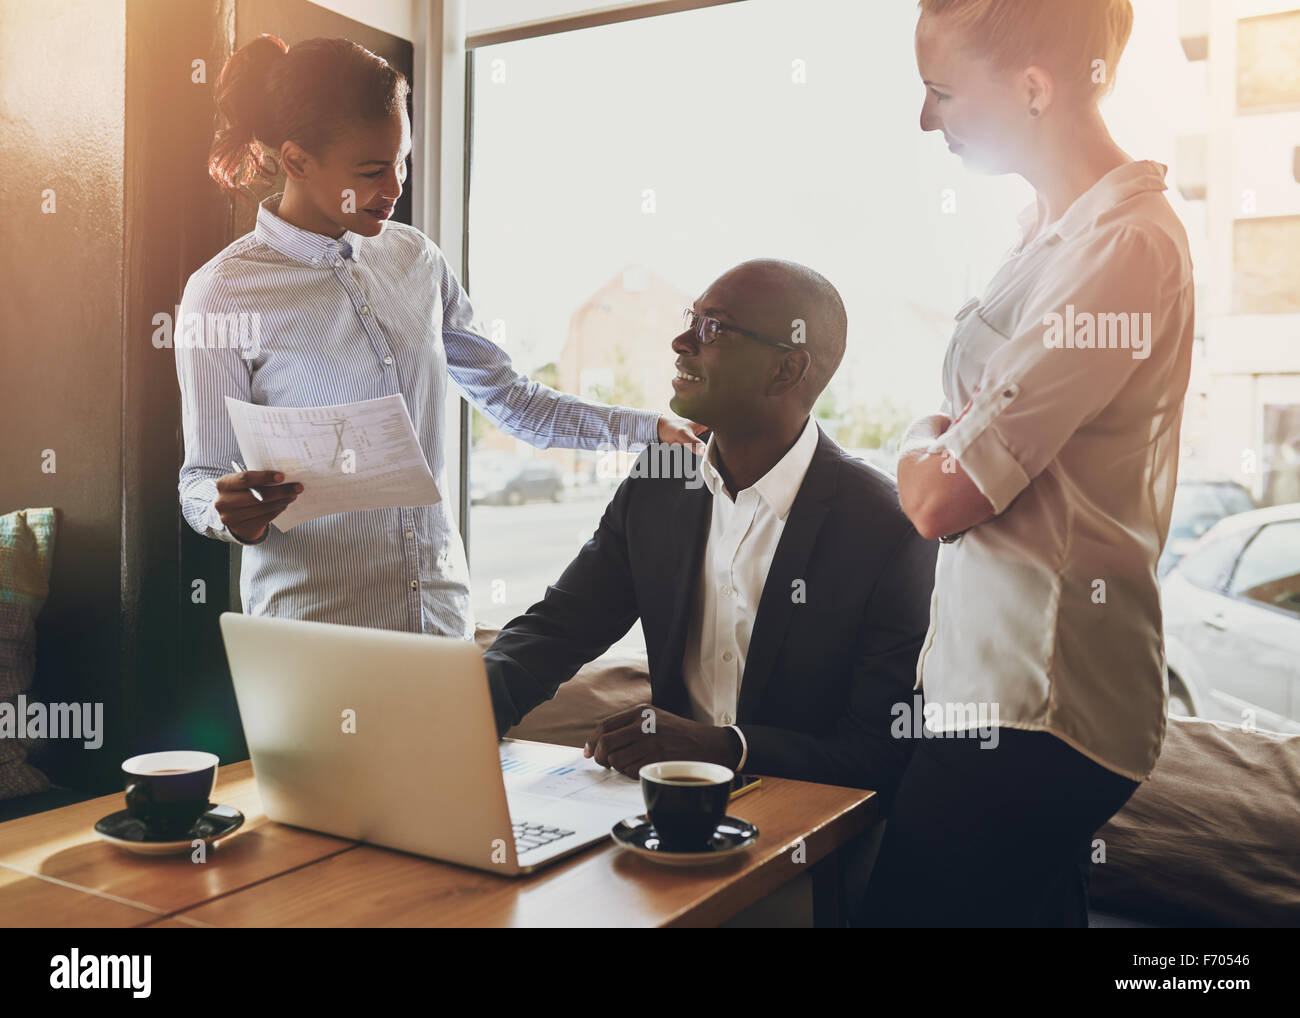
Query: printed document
347	457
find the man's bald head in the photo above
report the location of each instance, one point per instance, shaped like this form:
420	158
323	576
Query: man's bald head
792	303
782	337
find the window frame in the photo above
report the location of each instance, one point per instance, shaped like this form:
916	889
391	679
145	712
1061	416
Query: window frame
449	147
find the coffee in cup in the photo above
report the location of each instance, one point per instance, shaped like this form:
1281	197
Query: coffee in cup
685	800
169	791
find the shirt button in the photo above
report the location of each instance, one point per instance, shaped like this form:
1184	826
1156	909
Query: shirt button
726	719
338	262
415	584
410	535
388	360
315	261
365	309
727	655
726	591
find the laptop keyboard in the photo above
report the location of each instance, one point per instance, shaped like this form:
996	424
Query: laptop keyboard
530	836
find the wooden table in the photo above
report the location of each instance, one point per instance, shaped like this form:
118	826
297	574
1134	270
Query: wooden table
55	871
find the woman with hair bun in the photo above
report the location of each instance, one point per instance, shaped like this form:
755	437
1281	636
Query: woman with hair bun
349	306
1049	478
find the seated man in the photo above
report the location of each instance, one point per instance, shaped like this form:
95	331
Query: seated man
783	594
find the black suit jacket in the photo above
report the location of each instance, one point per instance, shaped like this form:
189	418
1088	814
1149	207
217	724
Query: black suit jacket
823	669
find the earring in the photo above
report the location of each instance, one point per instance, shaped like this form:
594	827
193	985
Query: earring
1033	111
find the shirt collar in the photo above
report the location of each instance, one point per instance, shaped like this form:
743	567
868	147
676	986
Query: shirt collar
1117	186
779	486
299	244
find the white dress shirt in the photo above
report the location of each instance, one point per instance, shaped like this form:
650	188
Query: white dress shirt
743	535
1051	609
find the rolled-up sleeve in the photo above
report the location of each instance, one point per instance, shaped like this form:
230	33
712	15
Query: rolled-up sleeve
1042	385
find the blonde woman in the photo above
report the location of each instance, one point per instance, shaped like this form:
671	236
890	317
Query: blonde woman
1049	476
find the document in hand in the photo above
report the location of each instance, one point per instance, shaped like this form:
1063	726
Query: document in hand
352	456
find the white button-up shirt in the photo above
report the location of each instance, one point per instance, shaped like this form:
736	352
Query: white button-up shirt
1069	376
743	535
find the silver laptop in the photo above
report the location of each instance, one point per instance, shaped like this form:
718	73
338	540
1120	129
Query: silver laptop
389	738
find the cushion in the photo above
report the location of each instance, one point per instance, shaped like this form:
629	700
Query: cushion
611	683
1213	836
26	555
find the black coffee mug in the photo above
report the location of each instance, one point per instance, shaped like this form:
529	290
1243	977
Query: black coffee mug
168	792
685	800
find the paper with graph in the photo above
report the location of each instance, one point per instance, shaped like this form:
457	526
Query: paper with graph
558	772
347	457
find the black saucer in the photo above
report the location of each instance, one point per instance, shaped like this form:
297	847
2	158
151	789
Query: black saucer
731	836
126	831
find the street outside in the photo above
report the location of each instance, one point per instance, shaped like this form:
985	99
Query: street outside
516	552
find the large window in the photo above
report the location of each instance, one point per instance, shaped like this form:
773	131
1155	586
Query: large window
616	171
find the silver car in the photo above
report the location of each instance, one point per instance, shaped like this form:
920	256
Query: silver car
1199	505
1232	622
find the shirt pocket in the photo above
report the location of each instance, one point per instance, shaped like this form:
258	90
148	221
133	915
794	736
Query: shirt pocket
973	344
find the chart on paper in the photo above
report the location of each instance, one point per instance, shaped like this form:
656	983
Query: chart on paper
346	457
560	773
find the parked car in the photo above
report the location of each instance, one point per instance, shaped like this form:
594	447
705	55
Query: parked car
1232	622
1199	505
509	481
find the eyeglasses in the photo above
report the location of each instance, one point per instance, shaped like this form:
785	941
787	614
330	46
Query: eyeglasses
707	330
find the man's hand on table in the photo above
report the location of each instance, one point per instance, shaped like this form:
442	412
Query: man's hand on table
646	734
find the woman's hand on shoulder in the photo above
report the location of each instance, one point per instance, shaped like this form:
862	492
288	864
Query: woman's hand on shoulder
680	431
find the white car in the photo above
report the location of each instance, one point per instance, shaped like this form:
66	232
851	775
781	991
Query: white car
1199	505
1232	622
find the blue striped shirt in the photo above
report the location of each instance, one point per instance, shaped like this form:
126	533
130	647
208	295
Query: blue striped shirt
338	321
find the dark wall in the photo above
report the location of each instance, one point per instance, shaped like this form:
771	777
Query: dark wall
176	690
62	116
98	101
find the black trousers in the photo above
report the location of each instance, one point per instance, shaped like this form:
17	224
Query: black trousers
996	836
